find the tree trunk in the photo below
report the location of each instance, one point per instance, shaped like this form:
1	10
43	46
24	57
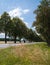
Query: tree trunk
20	40
5	37
15	39
48	42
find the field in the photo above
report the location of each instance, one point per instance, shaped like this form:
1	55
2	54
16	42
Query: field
35	54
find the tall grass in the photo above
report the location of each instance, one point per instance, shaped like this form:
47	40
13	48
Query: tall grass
35	54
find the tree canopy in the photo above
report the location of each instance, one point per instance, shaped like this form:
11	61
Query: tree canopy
4	21
42	23
19	29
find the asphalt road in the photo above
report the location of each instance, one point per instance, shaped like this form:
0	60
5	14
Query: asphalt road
8	45
17	44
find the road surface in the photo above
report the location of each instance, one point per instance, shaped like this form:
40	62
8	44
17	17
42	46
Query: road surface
17	44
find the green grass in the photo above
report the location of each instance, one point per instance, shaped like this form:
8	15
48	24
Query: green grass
37	54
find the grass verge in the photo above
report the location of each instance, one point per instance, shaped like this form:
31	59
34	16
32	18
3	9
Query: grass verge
35	54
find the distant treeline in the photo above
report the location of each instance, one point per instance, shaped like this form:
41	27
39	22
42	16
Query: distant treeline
8	39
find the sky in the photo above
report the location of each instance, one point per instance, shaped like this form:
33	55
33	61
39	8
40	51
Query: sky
22	8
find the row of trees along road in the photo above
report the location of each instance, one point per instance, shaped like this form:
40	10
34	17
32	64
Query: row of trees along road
42	23
12	27
15	28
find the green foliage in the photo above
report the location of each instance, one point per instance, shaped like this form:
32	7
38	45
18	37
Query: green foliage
4	20
12	27
42	22
32	36
19	29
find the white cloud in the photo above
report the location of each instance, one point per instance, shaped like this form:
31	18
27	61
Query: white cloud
2	35
15	12
18	12
26	11
21	18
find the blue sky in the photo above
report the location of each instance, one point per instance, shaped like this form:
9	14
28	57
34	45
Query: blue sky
21	8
